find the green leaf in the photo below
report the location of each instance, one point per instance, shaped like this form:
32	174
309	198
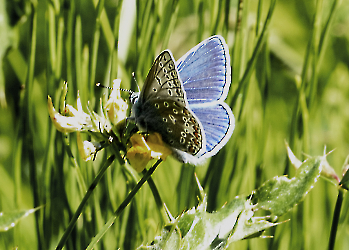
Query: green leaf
10	219
280	194
198	229
169	239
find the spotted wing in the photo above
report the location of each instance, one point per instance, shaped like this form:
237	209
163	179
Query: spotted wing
163	80
179	126
162	107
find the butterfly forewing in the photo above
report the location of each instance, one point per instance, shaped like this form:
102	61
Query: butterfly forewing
205	71
163	80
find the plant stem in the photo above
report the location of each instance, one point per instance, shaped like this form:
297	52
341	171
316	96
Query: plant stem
335	219
123	205
83	202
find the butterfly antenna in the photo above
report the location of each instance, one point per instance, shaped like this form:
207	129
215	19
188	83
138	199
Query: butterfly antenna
98	84
106	87
134	78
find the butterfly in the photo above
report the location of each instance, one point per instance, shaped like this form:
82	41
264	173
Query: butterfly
183	101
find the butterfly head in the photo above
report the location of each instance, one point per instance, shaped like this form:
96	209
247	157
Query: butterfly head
134	97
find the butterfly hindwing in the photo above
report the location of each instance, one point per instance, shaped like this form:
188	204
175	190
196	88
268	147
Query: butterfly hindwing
179	127
218	122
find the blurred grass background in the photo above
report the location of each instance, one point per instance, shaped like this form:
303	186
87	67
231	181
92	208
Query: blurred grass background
295	88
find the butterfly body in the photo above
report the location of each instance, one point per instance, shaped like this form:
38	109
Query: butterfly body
184	101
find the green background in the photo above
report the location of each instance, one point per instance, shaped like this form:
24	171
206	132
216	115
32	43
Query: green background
289	82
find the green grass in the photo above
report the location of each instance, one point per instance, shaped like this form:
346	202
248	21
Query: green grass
289	82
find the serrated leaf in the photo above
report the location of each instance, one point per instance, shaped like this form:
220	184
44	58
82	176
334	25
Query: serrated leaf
10	219
201	230
168	240
197	229
207	228
280	194
250	227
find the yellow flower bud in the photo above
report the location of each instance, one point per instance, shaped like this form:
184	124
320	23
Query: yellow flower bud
142	151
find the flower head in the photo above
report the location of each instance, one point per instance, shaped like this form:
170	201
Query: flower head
98	126
87	149
116	107
77	121
143	150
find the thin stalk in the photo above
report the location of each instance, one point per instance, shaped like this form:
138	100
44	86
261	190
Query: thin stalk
251	63
29	123
83	202
335	219
123	205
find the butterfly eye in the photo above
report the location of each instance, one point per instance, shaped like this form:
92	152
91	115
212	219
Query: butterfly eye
183	134
164	70
166	104
154	89
164	119
161	65
175	111
157	105
169	92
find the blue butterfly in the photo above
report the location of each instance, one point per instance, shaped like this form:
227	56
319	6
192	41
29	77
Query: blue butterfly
183	101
